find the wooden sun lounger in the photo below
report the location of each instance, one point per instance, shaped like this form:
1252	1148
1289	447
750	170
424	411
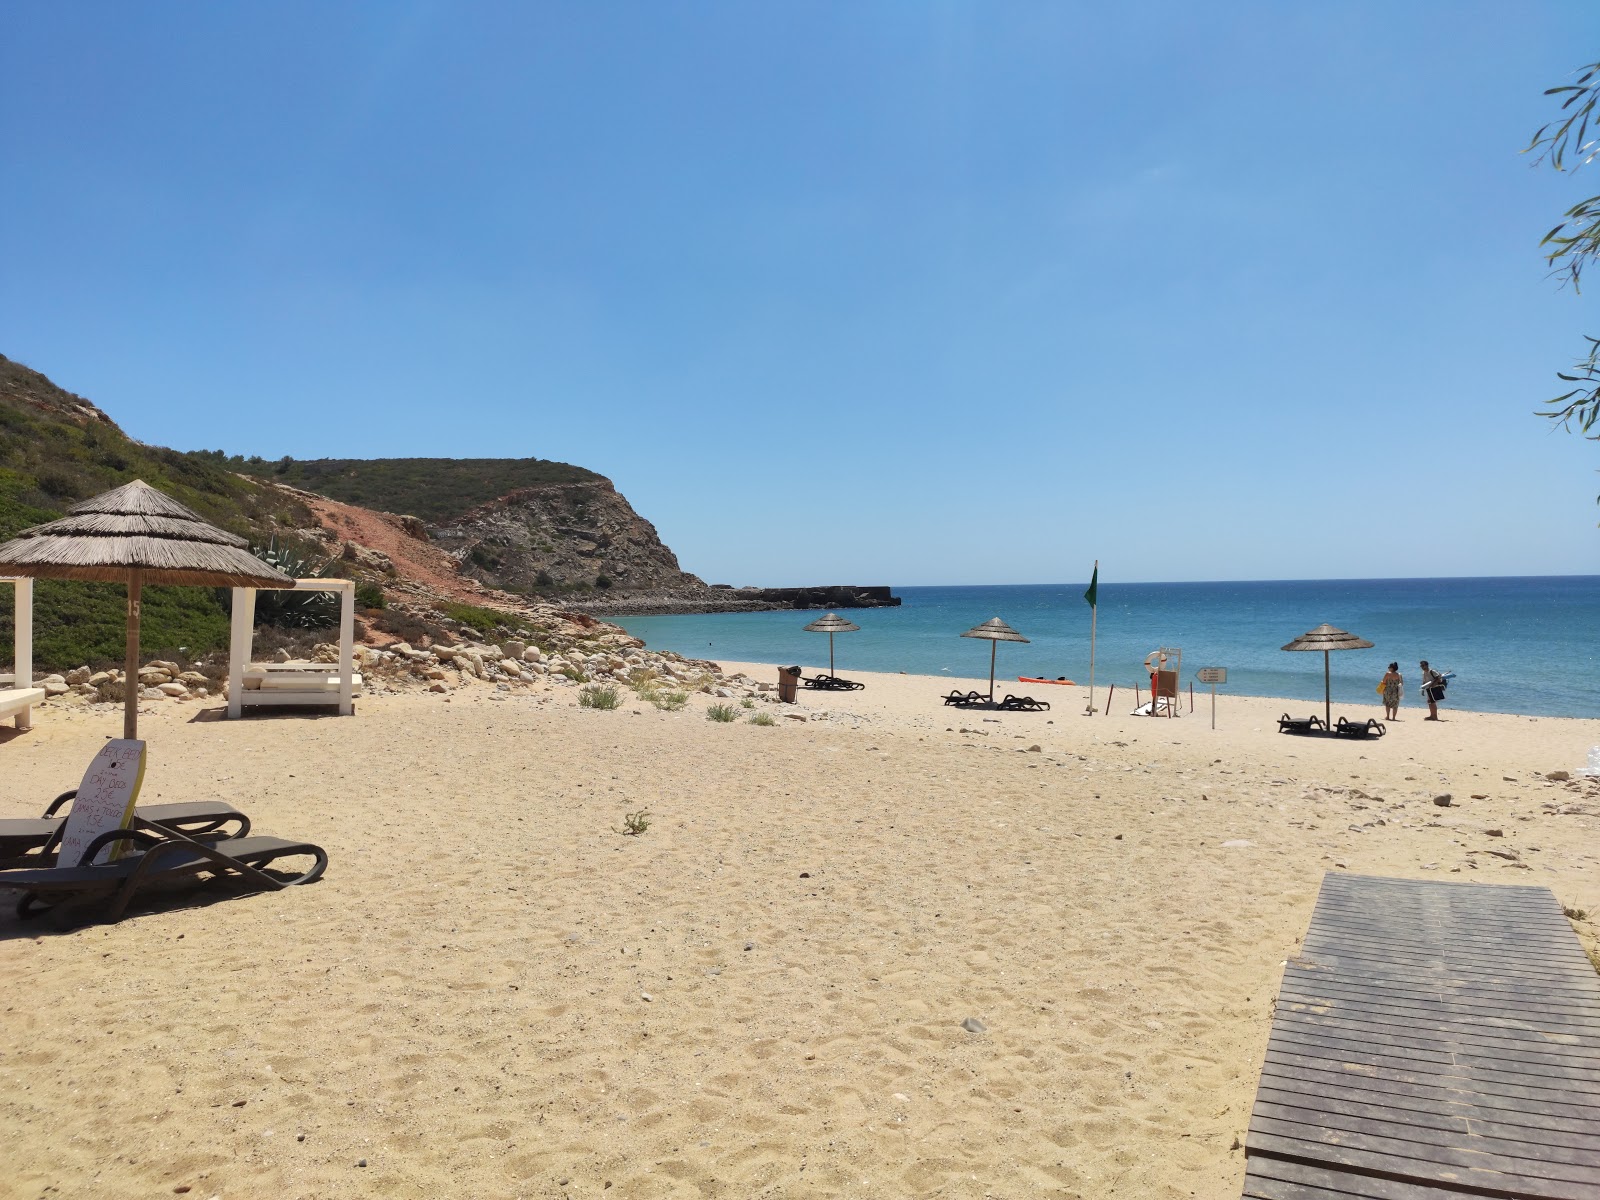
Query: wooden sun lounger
832	683
163	857
36	838
1288	724
1372	727
1431	1040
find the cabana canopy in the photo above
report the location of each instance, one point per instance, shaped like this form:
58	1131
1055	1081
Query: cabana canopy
136	535
1326	638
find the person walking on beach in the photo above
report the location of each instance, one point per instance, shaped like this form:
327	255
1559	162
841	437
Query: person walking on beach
1391	693
1432	690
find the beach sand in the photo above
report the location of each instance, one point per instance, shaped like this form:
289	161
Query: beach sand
494	993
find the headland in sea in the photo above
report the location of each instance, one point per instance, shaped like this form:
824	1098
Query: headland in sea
873	948
1517	644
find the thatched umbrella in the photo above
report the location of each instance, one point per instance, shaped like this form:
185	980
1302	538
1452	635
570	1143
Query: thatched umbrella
831	624
1325	638
136	535
996	631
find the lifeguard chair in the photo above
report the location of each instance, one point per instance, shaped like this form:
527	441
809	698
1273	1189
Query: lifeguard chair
1165	666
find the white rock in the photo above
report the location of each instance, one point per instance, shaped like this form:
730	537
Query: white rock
174	690
55	686
533	654
509	666
100	677
78	675
516	649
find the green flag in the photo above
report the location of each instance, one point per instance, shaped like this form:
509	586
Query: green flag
1093	594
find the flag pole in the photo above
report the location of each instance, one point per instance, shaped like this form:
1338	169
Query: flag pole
1094	617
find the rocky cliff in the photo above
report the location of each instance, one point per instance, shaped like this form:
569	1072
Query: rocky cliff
565	538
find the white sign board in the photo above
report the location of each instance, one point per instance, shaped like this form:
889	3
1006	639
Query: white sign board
1212	675
104	801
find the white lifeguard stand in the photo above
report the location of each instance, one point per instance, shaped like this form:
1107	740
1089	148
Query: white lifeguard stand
18	695
299	683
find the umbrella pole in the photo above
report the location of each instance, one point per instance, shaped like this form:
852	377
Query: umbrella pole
1327	692
993	646
831	671
130	662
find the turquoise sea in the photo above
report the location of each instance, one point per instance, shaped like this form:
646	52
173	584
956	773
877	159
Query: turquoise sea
1517	645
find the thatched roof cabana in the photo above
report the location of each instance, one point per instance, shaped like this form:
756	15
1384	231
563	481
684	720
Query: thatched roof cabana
1326	638
136	535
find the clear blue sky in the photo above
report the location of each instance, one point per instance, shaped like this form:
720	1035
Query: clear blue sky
836	292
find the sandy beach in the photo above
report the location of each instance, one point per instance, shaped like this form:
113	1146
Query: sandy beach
494	992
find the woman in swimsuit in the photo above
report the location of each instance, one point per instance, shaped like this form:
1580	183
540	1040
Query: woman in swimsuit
1391	693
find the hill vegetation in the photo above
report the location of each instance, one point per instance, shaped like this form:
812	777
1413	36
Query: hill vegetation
57	448
435	489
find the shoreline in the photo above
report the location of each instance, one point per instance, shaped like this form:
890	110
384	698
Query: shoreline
940	684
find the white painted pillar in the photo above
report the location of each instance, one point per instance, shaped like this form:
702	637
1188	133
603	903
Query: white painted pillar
347	648
22	651
242	634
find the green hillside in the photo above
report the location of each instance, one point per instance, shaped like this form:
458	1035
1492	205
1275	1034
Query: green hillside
57	448
434	489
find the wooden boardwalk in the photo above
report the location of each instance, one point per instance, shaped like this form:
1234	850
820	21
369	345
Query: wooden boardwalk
1431	1040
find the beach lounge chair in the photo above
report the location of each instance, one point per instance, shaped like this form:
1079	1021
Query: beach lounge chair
967	699
1022	704
1288	724
37	838
832	683
163	856
1372	727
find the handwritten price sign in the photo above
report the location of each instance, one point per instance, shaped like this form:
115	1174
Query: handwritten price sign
105	800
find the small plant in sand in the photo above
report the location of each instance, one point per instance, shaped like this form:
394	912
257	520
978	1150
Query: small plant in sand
599	696
747	703
669	701
722	712
635	823
573	674
762	719
642	679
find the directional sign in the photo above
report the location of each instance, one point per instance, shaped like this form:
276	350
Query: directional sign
1212	675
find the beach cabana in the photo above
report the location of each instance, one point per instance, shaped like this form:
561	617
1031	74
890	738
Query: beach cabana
1326	638
136	535
18	695
258	684
996	631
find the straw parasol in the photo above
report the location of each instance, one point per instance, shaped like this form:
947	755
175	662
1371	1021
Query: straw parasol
1326	638
831	624
996	631
136	535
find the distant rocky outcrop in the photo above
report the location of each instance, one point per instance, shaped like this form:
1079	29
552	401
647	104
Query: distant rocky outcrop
575	538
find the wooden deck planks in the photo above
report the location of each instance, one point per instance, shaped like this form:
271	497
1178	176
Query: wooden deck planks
1431	1040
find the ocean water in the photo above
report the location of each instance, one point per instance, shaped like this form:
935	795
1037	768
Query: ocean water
1517	645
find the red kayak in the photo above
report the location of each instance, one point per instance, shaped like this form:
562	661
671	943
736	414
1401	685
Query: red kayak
1062	682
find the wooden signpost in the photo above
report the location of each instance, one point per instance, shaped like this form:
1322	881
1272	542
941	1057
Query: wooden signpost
104	801
1213	676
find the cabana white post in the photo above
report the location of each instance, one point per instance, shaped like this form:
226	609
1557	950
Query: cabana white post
18	699
295	685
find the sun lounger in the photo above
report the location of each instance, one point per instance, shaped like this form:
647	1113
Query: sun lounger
967	699
832	683
1022	704
36	838
1372	727
165	856
1288	724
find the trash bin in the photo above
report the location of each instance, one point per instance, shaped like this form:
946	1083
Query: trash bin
788	684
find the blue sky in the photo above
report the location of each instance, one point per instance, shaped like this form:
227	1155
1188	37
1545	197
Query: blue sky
891	292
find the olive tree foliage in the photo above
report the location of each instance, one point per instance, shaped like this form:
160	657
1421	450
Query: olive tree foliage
1573	244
